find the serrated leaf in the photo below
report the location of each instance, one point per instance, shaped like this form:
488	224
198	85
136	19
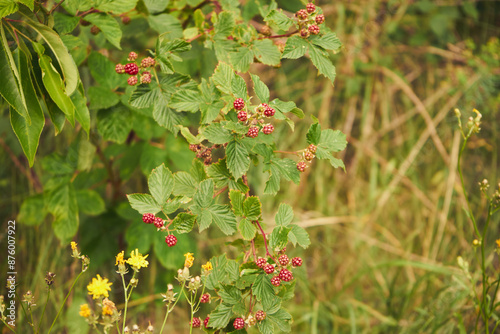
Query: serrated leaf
331	140
190	138
108	26
62	203
222	177
260	89
114	124
64	24
241	59
32	211
164	115
82	113
281	168
284	216
161	184
278	19
238	161
224	25
282	319
204	196
216	134
186	100
102	98
328	41
224	218
247	229
143	96
322	62
143	203
295	47
103	71
185	184
168	25
252	208
239	87
223	77
266	327
230	295
117	6
298	235
266	52
184	222
221	316
237	198
314	134
279	237
263	289
7	7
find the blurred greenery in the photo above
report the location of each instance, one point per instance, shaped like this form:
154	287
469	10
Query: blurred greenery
385	234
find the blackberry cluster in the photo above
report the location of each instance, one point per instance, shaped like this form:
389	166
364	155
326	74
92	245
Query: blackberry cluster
255	118
307	156
133	69
282	267
309	20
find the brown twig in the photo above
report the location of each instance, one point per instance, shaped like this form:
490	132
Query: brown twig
265	240
220	191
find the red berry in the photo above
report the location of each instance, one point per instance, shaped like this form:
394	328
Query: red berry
94	30
269	112
171	240
314	29
148	62
84	23
301	166
260	315
310	7
296	262
120	69
286	275
269	268
238	323
312	148
132	56
253	132
148	218
239	104
304	33
146	78
159	223
283	260
131	69
205	322
205	298
308	155
320	18
196	323
261	262
301	14
268	129
276	281
126	20
132	81
242	116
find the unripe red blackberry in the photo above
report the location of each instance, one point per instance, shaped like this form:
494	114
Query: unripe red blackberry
302	14
146	78
268	129
196	323
260	315
238	323
132	81
242	116
314	29
284	260
310	7
205	298
304	33
171	240
159	223
132	56
84	23
239	104
276	281
126	20
308	155
148	62
280	45
205	322
269	268
253	132
94	30
148	218
269	112
266	30
131	69
261	262
251	321
286	275
296	262
312	148
120	69
320	18
301	166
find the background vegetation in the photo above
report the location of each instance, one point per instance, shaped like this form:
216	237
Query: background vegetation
385	234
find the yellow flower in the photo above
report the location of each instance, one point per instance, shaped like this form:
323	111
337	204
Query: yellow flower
208	266
108	307
189	260
99	287
73	245
119	258
84	310
498	243
137	261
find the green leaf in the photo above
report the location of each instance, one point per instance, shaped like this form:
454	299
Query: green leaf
281	168
27	133
54	85
230	295
161	184
184	222
108	26
314	134
279	20
32	211
223	77
237	198
81	111
185	184
220	317
7	7
156	6
117	6
252	208
238	161
260	89
247	229
143	96
298	235
114	124
332	140
89	202
174	45
166	24
103	71
266	52
216	134
295	47
144	203
223	217
263	289
239	87
282	319
29	3
186	100
279	237
204	196
241	59
62	203
102	98
164	115
65	60
64	24
322	62
335	162
284	216
140	236
266	326
328	41
224	25
222	177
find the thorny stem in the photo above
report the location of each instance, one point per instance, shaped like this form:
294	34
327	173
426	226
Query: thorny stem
280	36
265	241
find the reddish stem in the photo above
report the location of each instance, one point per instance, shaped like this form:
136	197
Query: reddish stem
220	191
265	241
280	36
